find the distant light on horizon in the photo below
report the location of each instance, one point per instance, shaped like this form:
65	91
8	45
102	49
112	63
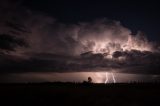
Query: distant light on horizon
97	77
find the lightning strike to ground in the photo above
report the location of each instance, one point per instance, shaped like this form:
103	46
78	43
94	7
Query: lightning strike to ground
106	81
114	80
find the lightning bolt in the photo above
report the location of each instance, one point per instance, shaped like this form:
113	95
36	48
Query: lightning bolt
114	80
106	81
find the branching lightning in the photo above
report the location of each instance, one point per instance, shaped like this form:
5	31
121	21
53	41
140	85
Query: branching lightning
113	77
107	78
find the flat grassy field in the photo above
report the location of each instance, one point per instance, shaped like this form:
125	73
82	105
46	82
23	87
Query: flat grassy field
80	94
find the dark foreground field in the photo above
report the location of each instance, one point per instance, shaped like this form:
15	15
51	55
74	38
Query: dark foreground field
70	94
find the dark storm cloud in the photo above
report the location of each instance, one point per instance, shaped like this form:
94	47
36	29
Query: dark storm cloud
12	27
98	45
141	63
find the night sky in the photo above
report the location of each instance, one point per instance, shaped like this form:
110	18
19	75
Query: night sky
46	40
135	15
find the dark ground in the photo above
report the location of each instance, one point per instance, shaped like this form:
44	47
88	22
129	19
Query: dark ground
71	94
